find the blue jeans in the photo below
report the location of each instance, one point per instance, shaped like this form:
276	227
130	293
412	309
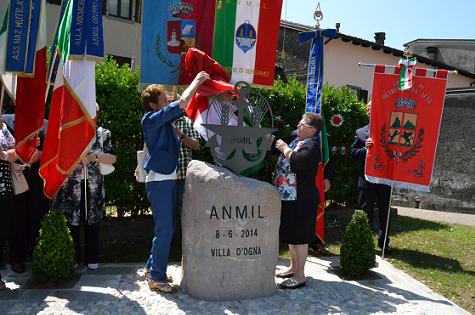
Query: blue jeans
162	197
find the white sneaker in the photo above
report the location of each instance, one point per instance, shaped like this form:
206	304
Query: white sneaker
93	266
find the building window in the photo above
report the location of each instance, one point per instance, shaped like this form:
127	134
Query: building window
361	94
122	60
120	8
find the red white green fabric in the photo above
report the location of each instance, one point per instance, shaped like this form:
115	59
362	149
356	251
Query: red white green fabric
71	126
405	77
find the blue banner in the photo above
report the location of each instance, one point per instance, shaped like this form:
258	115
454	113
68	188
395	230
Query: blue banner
77	44
315	67
33	36
86	29
161	35
17	40
95	33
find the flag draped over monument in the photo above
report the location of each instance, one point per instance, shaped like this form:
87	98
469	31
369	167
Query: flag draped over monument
197	110
71	127
314	104
405	127
241	36
23	67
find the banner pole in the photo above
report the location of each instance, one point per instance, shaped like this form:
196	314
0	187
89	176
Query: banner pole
362	64
1	99
387	222
50	74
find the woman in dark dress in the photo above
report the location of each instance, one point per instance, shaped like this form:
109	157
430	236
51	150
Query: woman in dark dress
71	202
295	175
7	155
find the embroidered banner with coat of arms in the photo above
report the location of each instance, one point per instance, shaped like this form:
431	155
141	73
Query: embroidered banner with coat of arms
241	36
404	126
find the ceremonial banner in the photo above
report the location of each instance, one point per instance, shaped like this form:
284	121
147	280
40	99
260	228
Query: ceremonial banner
404	126
31	87
313	104
8	78
169	28
241	36
72	120
23	69
245	39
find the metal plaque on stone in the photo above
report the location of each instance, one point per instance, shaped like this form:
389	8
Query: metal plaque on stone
241	140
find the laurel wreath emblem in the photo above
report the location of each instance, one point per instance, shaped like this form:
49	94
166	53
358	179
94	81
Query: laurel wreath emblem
161	57
407	154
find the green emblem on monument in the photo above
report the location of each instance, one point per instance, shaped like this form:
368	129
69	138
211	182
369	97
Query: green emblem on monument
242	139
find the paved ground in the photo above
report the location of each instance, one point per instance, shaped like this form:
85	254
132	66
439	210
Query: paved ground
438	216
121	289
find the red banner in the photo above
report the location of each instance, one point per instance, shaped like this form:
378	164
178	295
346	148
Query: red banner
404	126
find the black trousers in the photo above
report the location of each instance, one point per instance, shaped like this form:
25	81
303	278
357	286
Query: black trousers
20	231
6	211
91	236
366	201
38	204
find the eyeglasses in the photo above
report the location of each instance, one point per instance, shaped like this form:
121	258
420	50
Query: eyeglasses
302	124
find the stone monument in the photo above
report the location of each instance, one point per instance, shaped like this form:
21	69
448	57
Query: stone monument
230	234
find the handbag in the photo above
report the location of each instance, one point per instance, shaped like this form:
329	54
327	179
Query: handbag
104	169
20	185
140	173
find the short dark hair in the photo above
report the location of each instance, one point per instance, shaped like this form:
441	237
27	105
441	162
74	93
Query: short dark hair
151	94
314	120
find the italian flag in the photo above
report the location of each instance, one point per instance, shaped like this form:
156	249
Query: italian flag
405	77
72	118
245	39
30	97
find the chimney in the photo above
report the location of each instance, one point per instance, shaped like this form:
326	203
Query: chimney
337	26
379	37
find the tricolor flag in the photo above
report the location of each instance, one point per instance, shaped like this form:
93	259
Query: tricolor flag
241	36
405	78
198	109
23	67
71	127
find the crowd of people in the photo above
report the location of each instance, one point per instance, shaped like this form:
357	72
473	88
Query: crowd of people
170	140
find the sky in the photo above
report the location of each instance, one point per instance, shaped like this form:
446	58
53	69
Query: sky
402	20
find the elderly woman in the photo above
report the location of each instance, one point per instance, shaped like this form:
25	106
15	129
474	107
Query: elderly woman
163	144
7	155
295	175
71	200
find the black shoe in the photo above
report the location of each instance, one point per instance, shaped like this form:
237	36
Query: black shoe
19	268
319	249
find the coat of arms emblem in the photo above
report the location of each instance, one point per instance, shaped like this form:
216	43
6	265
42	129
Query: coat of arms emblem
400	140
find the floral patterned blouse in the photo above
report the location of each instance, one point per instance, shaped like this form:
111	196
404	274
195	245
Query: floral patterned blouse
68	200
285	181
6	142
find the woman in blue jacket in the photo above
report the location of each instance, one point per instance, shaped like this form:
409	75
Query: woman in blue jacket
162	166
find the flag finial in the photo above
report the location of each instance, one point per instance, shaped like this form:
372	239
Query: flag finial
318	15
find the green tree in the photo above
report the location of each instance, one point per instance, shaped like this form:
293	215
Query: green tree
53	257
120	111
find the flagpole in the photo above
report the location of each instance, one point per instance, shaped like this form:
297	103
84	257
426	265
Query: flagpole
50	74
387	222
2	97
85	167
362	64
